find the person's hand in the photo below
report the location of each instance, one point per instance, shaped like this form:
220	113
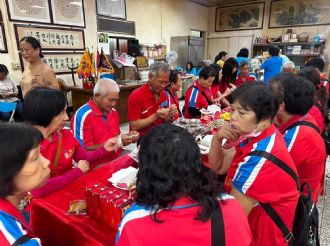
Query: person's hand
226	132
135	136
83	166
232	87
173	111
110	144
126	139
162	113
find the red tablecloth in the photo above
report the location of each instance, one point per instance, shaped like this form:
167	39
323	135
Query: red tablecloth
50	222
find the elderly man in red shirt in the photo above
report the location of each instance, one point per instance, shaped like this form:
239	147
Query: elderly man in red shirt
148	105
97	121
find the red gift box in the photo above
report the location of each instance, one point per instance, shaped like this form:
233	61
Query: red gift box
119	207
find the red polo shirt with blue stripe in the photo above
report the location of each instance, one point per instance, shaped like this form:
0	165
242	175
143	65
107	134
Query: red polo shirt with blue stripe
91	127
307	150
142	104
263	181
179	226
13	226
195	99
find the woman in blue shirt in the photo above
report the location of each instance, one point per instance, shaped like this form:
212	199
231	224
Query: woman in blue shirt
273	65
190	68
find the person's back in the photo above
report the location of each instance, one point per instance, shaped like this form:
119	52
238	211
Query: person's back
310	165
272	67
179	225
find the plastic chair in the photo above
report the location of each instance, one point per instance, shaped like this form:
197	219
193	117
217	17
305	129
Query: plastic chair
7	107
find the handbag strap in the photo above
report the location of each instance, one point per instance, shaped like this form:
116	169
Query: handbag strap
217	227
303	123
58	152
23	239
287	234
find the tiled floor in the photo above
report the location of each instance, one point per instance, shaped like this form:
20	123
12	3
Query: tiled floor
324	202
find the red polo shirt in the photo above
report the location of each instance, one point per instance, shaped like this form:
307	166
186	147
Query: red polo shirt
49	148
307	149
318	116
142	104
239	80
91	127
195	99
13	225
173	100
265	182
179	226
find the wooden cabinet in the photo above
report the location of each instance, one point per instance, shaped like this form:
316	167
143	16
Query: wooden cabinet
81	96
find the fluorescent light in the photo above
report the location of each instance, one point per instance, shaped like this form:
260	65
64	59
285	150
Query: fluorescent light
76	3
37	7
24	11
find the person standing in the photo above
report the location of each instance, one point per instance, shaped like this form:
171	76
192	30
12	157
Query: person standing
36	73
273	65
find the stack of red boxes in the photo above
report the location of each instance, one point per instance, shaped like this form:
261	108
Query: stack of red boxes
107	203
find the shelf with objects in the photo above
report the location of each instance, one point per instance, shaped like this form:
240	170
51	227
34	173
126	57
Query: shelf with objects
298	52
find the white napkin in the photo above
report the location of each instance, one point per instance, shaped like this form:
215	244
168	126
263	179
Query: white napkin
126	175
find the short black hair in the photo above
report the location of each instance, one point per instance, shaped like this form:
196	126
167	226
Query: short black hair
42	104
17	140
273	51
310	74
174	75
34	43
190	63
257	97
170	167
244	52
207	72
298	93
317	63
3	69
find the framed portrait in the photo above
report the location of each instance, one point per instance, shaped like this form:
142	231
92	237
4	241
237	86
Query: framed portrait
52	38
29	11
288	13
68	13
59	62
3	41
114	9
240	17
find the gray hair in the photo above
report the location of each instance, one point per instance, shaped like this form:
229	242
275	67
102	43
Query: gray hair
104	86
156	68
289	64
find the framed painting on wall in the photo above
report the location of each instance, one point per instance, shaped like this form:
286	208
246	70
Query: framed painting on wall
52	38
69	13
239	17
114	9
59	62
3	42
29	11
287	13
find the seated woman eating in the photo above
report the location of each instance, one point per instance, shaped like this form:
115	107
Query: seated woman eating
45	109
253	179
22	168
178	198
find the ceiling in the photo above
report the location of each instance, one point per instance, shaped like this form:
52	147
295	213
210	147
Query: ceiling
211	3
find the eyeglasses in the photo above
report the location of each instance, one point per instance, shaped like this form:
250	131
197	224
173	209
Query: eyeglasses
163	82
